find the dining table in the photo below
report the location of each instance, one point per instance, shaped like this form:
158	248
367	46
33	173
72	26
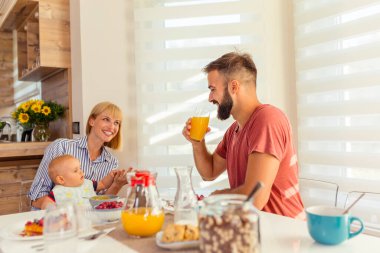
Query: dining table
279	234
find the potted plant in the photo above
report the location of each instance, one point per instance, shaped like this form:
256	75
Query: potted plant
36	114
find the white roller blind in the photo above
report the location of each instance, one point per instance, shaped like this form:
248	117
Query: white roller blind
338	91
174	40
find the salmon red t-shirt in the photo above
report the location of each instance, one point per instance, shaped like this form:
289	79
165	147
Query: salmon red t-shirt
268	131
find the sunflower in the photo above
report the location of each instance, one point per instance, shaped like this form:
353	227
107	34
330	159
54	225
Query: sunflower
37	111
25	106
36	108
39	102
46	110
23	118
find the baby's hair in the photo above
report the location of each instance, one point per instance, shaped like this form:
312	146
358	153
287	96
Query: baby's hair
55	165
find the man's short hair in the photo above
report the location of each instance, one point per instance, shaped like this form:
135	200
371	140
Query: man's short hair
233	65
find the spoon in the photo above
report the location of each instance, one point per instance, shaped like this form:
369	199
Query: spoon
257	187
93	236
353	203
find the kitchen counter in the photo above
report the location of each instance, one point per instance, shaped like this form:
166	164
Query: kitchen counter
17	150
19	162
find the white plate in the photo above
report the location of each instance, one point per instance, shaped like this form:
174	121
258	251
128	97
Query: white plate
175	245
12	232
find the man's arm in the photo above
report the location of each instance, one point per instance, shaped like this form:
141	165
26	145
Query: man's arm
261	167
209	166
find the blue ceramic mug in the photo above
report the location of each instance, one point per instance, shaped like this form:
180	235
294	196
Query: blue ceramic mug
327	225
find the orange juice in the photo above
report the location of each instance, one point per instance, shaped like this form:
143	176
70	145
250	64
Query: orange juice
198	127
142	221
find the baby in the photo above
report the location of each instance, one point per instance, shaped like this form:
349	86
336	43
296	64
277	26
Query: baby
70	184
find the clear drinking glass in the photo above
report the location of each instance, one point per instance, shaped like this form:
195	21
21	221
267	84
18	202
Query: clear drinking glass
185	202
60	229
199	123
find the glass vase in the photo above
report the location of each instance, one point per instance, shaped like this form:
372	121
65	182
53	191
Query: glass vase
186	202
41	132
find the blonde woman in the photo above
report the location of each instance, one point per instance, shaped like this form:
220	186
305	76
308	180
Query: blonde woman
102	132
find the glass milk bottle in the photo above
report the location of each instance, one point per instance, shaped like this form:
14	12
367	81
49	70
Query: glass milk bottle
185	202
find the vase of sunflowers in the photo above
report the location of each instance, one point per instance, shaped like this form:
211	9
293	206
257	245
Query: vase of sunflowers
36	114
41	132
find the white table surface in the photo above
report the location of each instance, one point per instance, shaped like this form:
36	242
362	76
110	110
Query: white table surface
278	235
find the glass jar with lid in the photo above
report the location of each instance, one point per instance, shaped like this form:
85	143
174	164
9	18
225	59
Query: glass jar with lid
143	214
228	224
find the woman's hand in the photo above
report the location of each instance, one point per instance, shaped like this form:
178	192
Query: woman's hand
120	178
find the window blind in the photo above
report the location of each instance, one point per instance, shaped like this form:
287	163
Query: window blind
174	40
337	46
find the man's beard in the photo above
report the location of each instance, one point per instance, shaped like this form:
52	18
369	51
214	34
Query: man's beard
225	107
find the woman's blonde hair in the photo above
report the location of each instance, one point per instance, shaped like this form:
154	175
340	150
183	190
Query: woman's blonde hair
115	112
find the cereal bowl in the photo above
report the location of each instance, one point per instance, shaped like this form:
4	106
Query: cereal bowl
108	211
108	215
98	199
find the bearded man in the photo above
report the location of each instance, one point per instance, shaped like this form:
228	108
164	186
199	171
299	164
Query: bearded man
258	146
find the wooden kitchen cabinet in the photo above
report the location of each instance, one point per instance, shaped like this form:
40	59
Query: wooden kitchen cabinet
18	165
43	40
16	177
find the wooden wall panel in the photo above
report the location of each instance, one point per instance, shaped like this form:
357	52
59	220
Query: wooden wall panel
9	205
54	24
57	88
16	177
6	69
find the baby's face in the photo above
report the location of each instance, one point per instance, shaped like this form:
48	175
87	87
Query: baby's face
73	175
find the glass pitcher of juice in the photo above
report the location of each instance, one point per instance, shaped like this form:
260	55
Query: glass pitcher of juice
143	214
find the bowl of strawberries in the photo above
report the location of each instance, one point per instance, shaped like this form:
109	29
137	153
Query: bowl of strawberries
109	211
99	199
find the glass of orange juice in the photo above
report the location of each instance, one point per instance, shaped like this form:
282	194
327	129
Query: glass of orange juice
199	124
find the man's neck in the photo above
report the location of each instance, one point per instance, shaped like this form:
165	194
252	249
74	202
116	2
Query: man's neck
245	111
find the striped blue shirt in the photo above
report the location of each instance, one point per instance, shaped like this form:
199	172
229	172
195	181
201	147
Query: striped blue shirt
93	170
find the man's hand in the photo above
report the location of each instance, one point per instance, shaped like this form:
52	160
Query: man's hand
255	173
186	132
223	191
